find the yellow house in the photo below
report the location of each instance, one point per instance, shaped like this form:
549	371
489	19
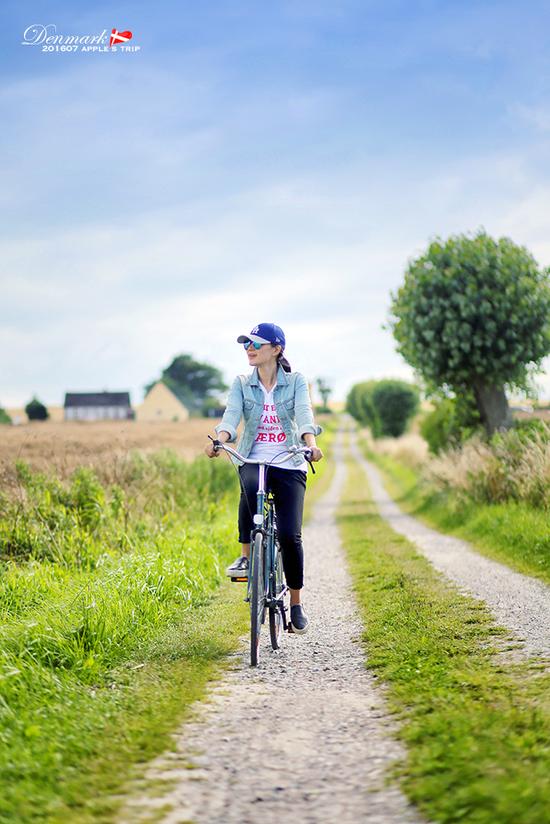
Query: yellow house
160	404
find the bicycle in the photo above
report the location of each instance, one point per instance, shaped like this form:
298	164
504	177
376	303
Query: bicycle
266	589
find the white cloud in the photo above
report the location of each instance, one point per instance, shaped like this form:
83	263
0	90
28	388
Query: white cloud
104	305
189	219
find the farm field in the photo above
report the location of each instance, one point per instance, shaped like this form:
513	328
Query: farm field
60	447
70	444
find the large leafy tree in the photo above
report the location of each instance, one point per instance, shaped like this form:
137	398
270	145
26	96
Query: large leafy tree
193	382
473	314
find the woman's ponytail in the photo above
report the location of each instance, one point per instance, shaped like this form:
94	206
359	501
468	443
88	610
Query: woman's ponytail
282	361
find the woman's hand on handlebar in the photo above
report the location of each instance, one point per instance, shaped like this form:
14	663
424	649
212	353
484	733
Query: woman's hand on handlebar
315	453
211	451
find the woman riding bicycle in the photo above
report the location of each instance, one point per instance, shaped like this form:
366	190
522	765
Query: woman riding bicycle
277	412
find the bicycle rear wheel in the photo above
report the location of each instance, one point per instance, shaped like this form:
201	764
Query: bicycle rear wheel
275	614
257	597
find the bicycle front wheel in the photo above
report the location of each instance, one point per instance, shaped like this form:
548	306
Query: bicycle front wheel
275	612
257	597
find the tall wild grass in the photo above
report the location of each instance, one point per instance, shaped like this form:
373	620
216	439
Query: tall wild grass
513	466
91	572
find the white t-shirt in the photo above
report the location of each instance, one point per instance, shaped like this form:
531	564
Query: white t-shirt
270	437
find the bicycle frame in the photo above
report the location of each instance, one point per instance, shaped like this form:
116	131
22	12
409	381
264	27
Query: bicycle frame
274	599
264	522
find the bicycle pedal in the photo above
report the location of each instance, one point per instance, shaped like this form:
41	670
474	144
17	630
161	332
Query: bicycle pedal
239	580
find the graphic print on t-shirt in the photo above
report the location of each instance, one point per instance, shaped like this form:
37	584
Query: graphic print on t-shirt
269	428
270	437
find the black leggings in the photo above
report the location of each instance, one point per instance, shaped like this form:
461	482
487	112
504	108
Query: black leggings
288	487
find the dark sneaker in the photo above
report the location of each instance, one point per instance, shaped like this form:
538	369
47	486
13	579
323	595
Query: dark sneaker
239	568
298	619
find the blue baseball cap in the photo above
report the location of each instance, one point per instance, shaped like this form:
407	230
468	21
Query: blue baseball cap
265	333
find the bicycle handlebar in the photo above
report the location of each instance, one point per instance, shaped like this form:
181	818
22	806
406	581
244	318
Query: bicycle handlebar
291	450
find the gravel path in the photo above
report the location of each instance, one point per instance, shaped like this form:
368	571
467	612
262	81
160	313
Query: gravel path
304	735
518	602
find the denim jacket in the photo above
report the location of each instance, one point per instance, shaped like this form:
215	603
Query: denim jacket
292	402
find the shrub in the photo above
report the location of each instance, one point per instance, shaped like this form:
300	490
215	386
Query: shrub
451	423
359	404
438	426
384	406
394	403
36	411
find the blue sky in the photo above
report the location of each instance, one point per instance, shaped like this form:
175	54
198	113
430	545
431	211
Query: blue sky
253	163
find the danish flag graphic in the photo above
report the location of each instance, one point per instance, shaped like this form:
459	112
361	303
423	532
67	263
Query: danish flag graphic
119	37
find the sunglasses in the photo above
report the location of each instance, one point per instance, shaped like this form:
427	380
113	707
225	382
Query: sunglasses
250	343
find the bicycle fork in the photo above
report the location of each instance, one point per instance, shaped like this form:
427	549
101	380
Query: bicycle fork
256	531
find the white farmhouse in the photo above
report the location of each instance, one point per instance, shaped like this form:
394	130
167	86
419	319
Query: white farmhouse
97	406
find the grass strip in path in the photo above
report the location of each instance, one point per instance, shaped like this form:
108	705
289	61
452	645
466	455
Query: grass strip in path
477	731
513	533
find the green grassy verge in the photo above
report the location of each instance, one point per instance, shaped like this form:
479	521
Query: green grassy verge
477	732
112	624
86	749
513	532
